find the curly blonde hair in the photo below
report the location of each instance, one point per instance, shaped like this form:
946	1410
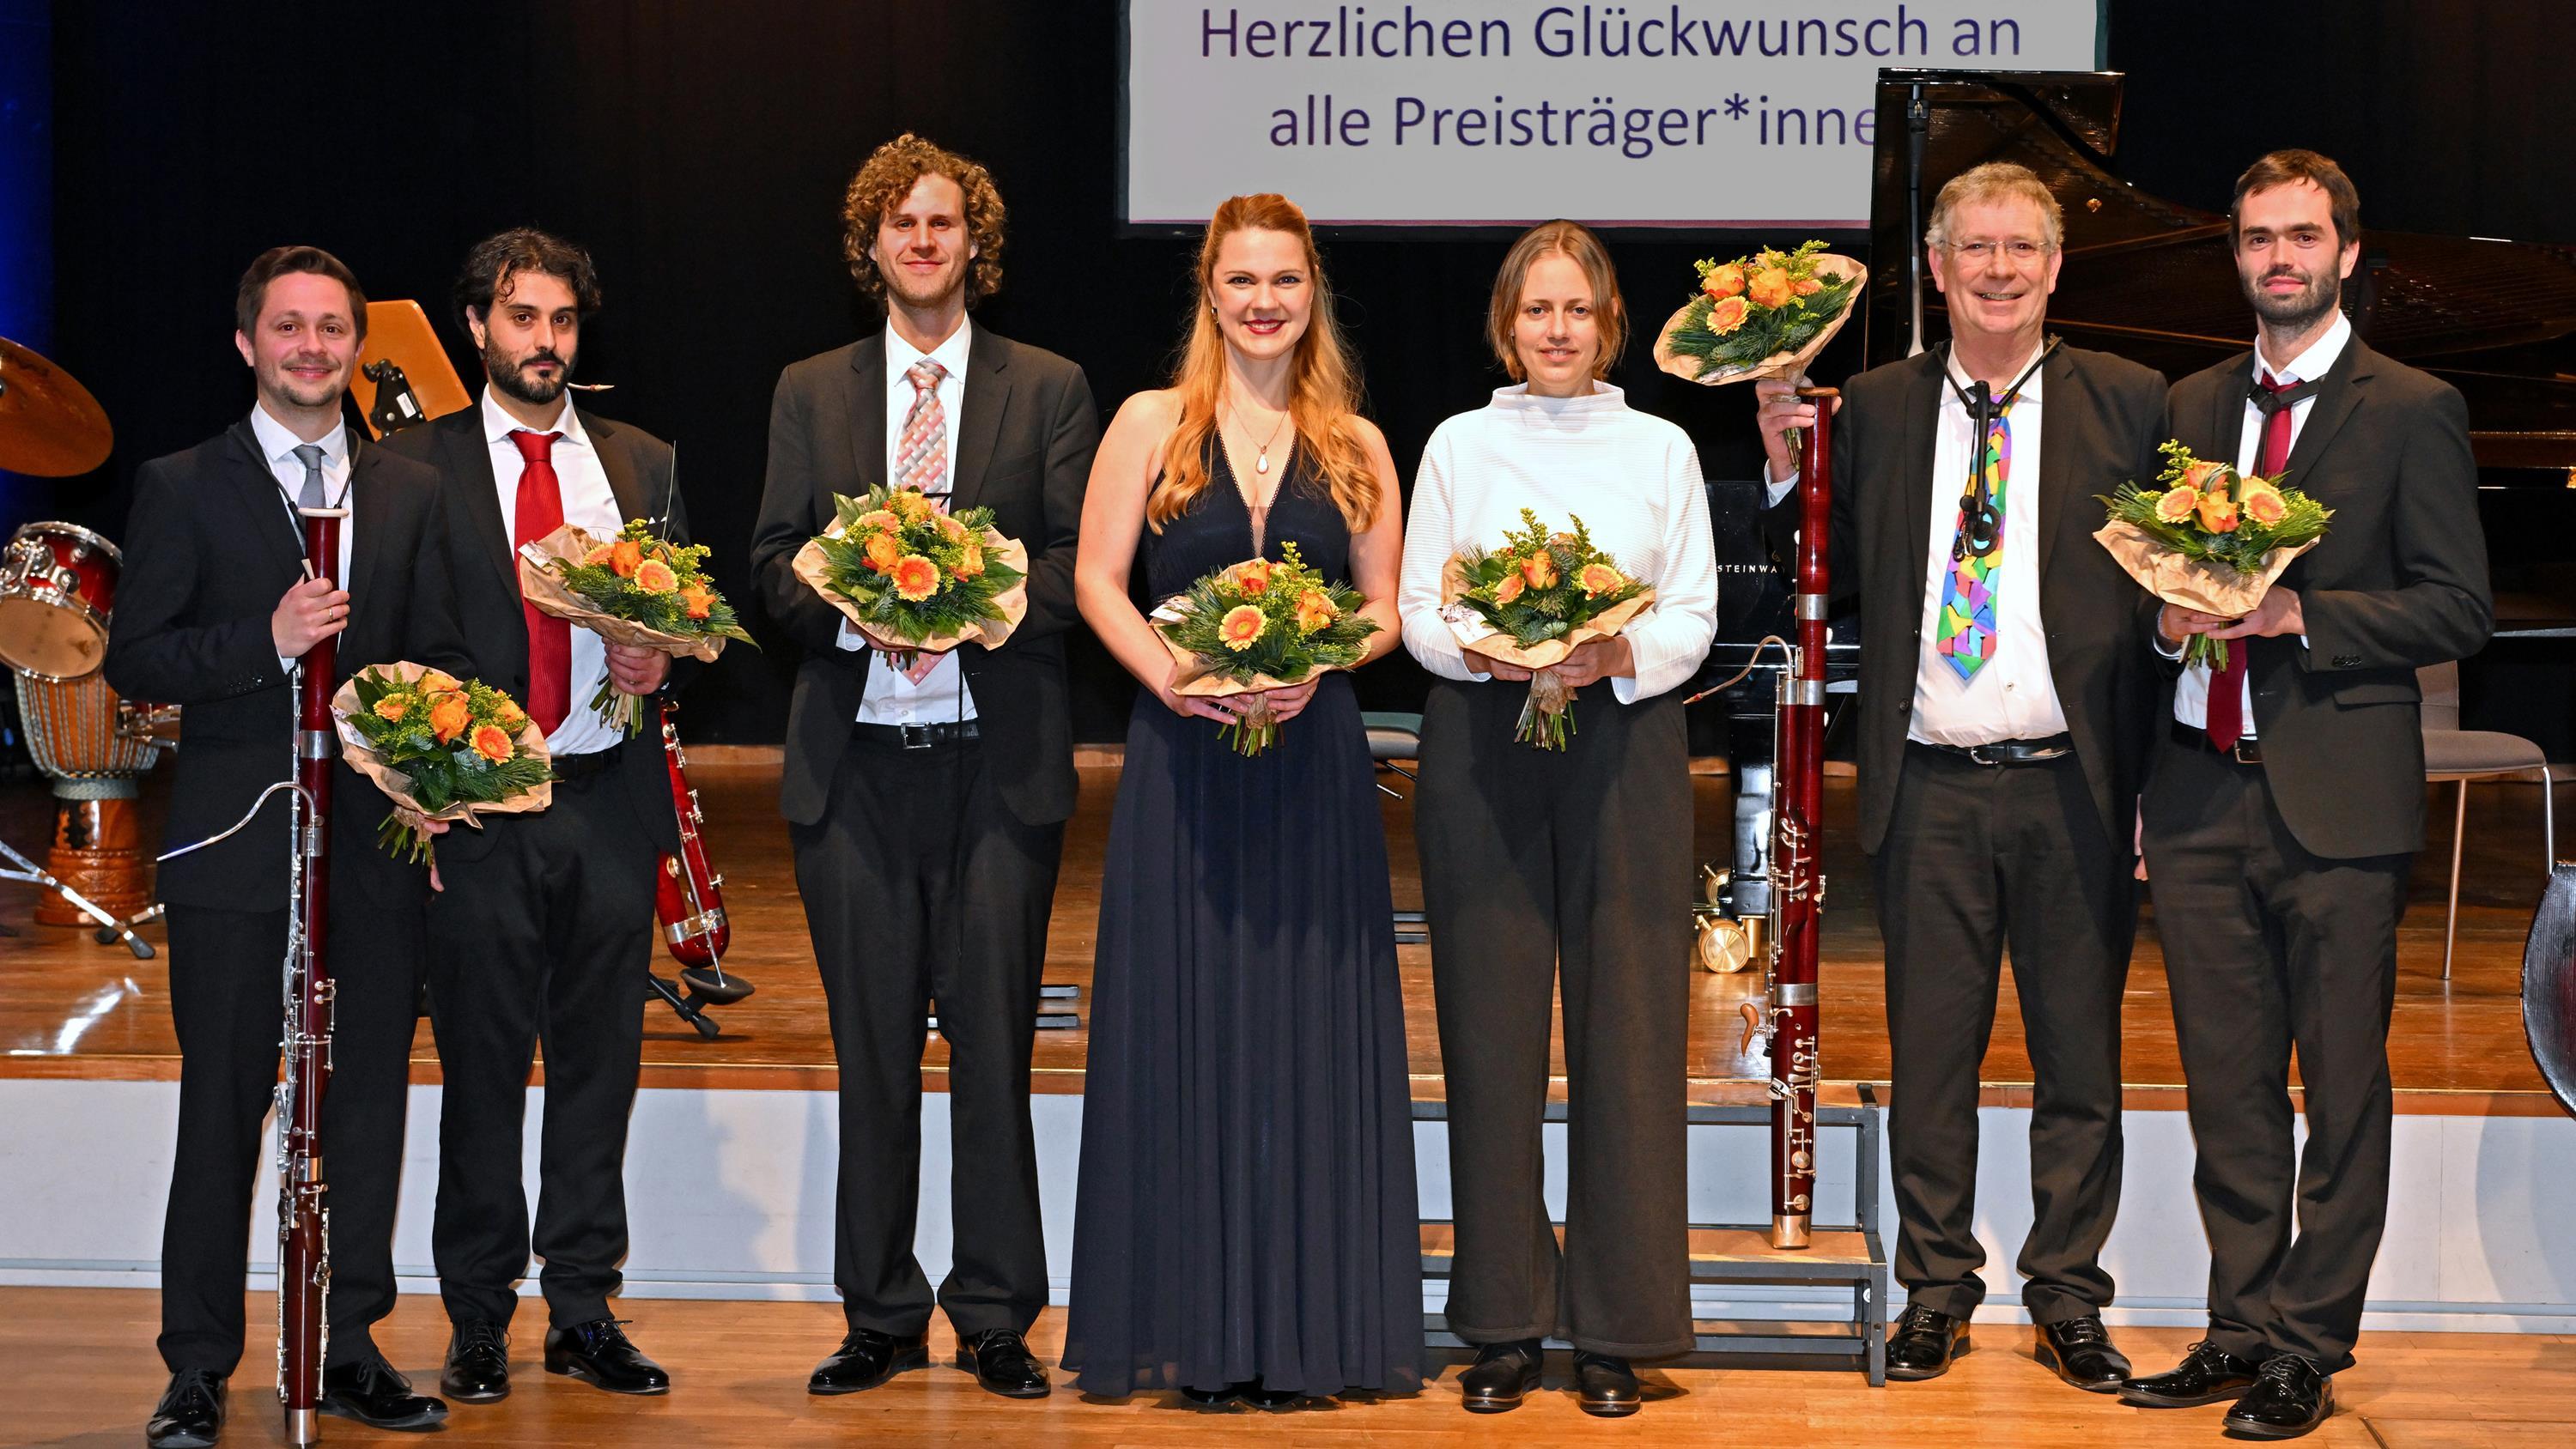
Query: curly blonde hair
887	177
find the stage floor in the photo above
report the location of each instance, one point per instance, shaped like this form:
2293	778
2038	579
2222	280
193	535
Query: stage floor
70	1008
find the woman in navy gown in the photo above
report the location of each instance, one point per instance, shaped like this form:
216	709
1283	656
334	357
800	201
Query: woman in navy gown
1246	1223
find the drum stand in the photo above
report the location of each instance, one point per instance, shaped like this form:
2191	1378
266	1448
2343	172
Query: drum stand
20	868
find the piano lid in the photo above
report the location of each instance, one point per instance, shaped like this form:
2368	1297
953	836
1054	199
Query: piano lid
2154	280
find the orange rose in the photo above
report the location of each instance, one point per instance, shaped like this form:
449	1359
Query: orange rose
883	551
392	708
2218	513
2199	474
1241	627
2177	503
1508	590
512	717
1725	281
2263	503
951	529
624	557
1768	288
972	565
915	578
1727	315
697	601
1540	569
434	681
1807	286
1598	579
655	577
913	505
595	557
876	520
1252	578
493	743
1315	611
448	717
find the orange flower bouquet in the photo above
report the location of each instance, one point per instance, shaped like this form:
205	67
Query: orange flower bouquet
1766	315
911	577
441	748
1531	603
1258	626
2211	538
635	589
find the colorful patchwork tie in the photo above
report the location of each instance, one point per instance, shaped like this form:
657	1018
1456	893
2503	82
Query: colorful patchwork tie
1966	633
921	453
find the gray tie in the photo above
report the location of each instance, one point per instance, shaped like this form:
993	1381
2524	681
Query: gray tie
310	454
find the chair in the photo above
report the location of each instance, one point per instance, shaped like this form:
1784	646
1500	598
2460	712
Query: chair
1392	737
2454	754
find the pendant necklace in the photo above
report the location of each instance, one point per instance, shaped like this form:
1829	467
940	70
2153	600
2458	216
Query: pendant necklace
1260	464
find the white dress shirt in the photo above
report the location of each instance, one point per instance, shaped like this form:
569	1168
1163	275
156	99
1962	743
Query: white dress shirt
278	446
2191	692
589	504
941	696
1634	478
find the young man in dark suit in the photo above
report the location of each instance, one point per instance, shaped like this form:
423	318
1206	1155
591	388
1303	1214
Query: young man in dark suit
927	803
2287	801
2003	680
544	925
216	610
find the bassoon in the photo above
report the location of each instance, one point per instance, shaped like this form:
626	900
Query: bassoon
687	902
303	1221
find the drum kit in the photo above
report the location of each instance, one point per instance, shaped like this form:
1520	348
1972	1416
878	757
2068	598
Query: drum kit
57	591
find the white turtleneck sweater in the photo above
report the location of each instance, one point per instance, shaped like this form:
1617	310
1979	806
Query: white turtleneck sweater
1635	480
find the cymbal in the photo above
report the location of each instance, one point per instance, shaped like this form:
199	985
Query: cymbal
49	424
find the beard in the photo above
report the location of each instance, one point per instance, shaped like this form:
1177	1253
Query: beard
2297	311
926	293
302	394
509	375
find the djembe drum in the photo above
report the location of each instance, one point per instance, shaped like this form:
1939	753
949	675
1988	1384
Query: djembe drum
96	748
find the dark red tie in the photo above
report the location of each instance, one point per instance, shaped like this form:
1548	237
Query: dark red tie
539	512
2227	685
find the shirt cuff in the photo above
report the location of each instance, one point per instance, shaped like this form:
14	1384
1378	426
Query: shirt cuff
1780	488
849	638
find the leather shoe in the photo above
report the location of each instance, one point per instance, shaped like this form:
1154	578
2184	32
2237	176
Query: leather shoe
370	1392
1609	1387
1215	1398
2290	1397
1000	1360
2079	1351
1502	1375
598	1354
1261	1396
867	1358
1923	1341
191	1412
478	1363
2206	1375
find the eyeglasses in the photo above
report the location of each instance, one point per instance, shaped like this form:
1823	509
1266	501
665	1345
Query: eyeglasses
1979	253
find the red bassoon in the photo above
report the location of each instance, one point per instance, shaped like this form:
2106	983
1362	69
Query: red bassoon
687	902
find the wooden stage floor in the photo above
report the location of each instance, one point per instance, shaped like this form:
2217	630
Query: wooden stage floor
88	1376
70	1008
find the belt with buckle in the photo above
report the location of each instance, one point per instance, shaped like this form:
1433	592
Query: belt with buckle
2009	752
2248	750
573	768
916	736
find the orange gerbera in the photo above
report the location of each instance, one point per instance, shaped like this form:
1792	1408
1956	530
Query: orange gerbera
1769	287
915	578
1540	569
2177	503
1241	626
883	551
1315	611
392	708
493	743
2263	503
655	577
1509	589
448	717
595	557
2218	513
1725	281
624	557
1598	579
1727	315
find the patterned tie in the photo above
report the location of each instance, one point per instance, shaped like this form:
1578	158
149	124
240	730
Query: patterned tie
921	455
2226	712
1965	634
539	511
310	455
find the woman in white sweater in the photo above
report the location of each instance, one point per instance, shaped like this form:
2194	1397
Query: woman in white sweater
1546	870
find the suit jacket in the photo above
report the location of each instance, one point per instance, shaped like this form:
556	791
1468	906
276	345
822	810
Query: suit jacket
1025	434
209	549
484	579
2104	420
2398	582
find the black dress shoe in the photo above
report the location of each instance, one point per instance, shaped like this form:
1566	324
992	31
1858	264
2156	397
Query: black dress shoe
370	1392
598	1354
867	1358
1502	1375
478	1363
1215	1398
1922	1342
2206	1375
1000	1360
1260	1396
191	1412
1608	1386
2079	1351
2289	1398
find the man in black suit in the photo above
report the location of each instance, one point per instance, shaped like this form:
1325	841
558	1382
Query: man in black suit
2002	681
216	610
2287	801
544	928
927	803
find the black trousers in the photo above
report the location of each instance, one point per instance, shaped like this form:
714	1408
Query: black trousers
921	886
542	937
1567	875
2269	948
1979	858
225	977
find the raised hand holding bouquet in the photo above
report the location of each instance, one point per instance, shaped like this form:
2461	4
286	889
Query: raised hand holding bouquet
635	589
1533	602
912	578
441	748
2210	539
1766	315
1257	626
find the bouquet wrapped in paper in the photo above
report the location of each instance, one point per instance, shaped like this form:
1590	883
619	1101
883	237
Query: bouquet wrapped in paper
1258	626
1766	315
440	748
634	589
911	578
1531	603
2210	538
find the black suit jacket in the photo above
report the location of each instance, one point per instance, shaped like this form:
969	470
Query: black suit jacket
484	579
2104	419
1025	434
209	549
2398	582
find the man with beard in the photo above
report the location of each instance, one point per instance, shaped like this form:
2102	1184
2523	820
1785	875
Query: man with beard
544	927
2287	801
216	609
927	801
2002	734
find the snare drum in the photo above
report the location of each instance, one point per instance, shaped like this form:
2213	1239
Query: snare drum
57	586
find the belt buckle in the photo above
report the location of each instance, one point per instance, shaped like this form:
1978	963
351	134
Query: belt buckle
2237	752
1977	756
918	736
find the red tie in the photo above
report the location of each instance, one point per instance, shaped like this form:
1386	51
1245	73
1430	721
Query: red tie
2227	685
539	512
